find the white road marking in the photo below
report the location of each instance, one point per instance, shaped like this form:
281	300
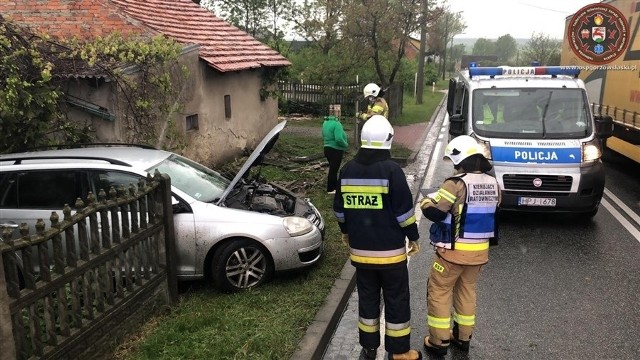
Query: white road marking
621	219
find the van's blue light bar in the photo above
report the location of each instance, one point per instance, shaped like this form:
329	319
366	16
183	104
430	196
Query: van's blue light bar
524	71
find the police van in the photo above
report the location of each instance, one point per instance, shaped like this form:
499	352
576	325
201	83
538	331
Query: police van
538	131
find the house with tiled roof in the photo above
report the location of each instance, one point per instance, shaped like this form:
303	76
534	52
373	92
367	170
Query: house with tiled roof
223	109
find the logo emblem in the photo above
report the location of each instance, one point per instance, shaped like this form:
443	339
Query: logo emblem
537	182
598	33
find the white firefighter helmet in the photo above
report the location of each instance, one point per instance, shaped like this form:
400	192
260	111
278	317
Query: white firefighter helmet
461	147
371	90
377	133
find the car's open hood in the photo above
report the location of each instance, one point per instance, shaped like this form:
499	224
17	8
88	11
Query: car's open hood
255	159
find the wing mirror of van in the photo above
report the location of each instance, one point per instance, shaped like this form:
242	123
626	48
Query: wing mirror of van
456	125
604	126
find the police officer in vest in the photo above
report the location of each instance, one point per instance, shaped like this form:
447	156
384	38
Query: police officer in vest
463	211
374	208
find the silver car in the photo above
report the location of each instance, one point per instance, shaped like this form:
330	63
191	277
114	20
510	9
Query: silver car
236	232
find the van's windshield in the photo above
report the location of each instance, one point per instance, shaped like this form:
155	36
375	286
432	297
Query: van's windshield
531	113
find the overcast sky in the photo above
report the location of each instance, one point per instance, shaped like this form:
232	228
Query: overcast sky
519	18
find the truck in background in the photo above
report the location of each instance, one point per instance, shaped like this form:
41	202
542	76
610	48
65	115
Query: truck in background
614	87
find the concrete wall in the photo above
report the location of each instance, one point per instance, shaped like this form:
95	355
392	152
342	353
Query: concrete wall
218	138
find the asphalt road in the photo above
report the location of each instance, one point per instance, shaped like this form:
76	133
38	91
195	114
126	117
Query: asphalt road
556	287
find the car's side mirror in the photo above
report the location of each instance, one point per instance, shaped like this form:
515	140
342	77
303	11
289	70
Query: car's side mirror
604	126
456	125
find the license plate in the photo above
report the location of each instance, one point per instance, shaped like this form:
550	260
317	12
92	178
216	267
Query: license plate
529	201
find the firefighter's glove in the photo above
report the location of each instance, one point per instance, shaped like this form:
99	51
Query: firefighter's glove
414	248
425	201
345	239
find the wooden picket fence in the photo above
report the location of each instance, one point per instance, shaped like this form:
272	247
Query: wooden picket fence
349	97
63	288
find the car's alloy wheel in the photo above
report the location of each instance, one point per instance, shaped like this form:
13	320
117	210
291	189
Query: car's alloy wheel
241	265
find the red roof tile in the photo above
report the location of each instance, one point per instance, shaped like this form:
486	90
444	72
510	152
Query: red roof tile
82	19
223	46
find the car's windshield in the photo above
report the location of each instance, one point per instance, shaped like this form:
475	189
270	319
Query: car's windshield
530	113
199	182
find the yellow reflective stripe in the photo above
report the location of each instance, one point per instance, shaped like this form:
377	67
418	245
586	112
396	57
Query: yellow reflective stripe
438	323
397	333
447	195
372	143
409	221
471	247
364	189
377	109
368	328
379	260
468	320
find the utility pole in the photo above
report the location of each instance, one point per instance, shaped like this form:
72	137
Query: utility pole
446	37
421	53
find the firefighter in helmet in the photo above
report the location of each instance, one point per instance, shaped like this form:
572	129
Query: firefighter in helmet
377	105
463	211
374	208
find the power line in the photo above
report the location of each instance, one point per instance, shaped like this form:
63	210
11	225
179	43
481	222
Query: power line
546	9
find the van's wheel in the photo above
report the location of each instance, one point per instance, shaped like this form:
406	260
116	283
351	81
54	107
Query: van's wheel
241	265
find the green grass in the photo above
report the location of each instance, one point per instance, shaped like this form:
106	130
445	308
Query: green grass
413	113
267	322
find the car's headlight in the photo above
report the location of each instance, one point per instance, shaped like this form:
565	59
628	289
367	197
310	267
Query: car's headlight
591	151
297	226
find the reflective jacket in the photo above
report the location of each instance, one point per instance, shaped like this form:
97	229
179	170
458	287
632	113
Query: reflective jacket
464	215
489	116
374	206
379	107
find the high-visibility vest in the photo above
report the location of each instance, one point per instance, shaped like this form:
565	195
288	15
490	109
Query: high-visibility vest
488	114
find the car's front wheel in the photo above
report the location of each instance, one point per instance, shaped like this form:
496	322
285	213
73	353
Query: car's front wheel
241	265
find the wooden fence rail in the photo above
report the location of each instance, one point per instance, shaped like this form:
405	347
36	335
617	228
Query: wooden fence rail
350	97
59	286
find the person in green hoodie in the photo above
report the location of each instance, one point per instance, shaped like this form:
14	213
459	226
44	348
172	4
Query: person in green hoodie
335	144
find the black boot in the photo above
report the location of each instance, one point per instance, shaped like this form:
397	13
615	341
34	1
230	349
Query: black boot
369	353
436	349
460	344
